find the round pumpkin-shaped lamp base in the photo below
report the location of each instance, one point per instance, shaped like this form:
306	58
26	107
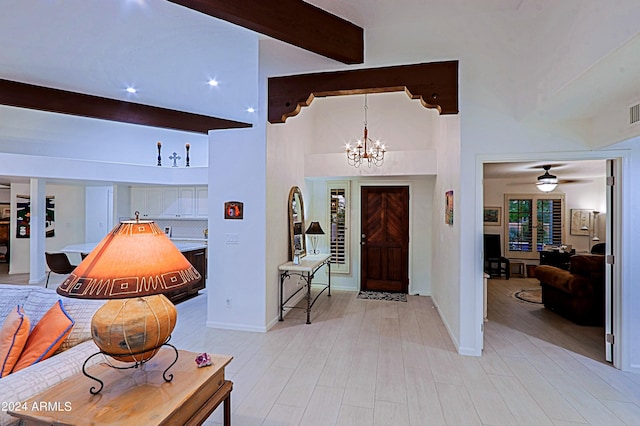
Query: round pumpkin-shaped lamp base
132	330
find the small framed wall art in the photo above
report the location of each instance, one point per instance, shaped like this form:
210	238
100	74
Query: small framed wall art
580	222
492	216
448	208
233	210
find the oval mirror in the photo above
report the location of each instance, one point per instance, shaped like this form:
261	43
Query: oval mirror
296	223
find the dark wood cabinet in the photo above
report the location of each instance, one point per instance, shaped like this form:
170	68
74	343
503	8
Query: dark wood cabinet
555	258
198	258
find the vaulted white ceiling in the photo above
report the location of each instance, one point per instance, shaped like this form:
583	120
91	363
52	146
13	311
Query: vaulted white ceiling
169	52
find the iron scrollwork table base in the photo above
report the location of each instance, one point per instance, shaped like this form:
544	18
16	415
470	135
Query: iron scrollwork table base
307	268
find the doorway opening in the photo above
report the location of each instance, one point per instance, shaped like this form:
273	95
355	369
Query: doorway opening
509	187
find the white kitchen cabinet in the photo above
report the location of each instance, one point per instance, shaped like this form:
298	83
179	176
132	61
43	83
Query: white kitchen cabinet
170	202
138	201
202	201
184	202
154	202
187	201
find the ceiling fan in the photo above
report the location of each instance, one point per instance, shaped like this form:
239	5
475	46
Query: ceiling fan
547	182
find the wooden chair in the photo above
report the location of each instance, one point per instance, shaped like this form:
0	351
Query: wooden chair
493	258
58	263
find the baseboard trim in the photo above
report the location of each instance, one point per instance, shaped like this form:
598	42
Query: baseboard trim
236	327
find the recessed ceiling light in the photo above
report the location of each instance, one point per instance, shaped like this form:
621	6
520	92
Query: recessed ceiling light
131	89
251	109
213	82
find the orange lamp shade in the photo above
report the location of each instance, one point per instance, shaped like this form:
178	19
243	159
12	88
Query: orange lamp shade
135	259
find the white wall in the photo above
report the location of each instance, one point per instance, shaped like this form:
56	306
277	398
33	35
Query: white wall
69	223
285	169
65	136
99	206
237	282
402	124
446	238
5	195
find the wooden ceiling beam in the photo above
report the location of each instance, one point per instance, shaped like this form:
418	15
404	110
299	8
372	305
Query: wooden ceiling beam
40	98
292	21
434	83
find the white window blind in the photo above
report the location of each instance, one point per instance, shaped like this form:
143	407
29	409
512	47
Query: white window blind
532	221
339	212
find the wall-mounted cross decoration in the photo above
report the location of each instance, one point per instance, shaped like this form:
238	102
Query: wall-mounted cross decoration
175	157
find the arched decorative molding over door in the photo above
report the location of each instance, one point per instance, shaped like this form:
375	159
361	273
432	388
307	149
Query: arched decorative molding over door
434	83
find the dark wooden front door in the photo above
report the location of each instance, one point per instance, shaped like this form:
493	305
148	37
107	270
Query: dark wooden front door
385	238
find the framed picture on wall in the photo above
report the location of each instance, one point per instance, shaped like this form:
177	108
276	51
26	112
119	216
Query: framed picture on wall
493	216
580	222
233	210
448	208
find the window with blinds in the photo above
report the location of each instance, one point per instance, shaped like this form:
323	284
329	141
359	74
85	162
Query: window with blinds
338	227
549	223
532	222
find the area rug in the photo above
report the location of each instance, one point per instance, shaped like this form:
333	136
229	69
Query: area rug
529	295
382	295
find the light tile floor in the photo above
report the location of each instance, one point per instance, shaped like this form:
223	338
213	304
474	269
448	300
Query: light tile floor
366	362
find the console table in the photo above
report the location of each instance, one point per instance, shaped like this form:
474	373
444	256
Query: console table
306	269
137	396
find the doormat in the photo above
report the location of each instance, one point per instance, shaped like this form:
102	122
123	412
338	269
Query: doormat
382	295
529	295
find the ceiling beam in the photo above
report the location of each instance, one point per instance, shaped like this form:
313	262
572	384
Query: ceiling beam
434	83
40	98
292	21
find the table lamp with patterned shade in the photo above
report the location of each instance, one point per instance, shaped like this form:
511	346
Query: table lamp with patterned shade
131	267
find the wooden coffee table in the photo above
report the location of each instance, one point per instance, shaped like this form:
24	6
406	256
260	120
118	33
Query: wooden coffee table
138	396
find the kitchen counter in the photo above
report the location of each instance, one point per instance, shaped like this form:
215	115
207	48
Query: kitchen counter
182	245
188	246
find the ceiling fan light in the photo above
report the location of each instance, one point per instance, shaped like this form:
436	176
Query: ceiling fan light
547	182
546	186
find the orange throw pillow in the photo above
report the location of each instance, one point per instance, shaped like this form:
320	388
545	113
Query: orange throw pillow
46	336
13	337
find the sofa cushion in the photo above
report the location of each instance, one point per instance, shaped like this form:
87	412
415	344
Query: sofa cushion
13	337
81	310
587	265
46	337
576	285
12	296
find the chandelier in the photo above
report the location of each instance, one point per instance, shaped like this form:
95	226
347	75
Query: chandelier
365	148
547	182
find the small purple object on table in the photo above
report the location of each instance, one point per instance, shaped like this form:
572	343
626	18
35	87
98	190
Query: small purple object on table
203	360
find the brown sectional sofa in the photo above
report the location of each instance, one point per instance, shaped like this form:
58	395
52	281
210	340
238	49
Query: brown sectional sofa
577	294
